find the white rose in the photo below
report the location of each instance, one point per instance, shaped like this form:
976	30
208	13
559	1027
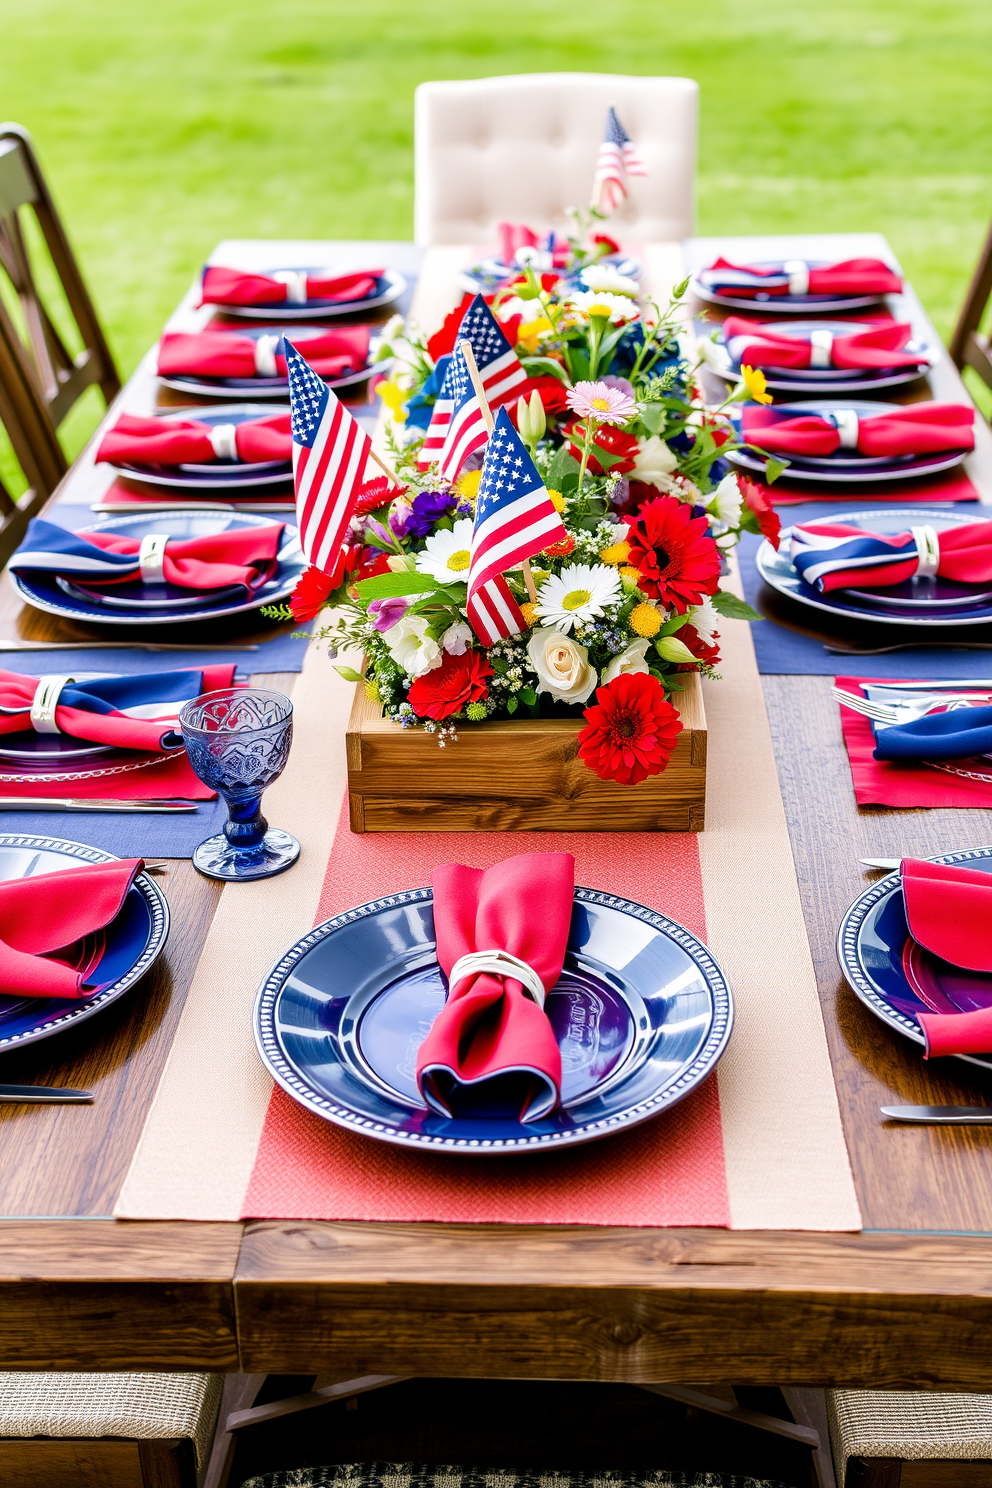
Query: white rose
631	660
411	647
457	638
726	501
562	666
654	460
705	621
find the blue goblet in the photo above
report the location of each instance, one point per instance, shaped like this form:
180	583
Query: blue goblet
238	742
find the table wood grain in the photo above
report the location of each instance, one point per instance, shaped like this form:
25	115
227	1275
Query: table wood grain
906	1303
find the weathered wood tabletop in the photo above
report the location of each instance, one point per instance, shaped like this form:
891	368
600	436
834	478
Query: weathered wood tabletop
906	1302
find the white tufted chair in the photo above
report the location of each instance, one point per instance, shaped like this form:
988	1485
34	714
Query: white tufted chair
521	149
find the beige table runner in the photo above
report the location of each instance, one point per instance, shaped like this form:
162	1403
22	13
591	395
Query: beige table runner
786	1160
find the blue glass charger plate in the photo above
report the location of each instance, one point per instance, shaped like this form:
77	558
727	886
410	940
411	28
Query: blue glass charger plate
389	286
265	387
221	475
642	1013
896	978
134	940
44	592
917	602
808	380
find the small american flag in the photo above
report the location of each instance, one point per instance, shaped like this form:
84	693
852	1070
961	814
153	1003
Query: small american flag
499	367
330	452
467	429
514	519
617	159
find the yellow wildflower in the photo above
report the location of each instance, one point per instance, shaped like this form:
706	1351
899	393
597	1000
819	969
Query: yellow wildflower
529	611
532	332
372	690
557	500
467	485
394	398
616	553
600	310
645	620
630	572
756	384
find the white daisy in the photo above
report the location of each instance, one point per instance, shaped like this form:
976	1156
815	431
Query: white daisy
726	501
617	307
446	554
605	279
578	594
706	621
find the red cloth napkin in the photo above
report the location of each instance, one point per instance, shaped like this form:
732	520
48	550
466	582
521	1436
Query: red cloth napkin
949	913
490	1032
333	353
853	276
244	556
514	235
50	928
953	485
965	556
155	441
234	287
882	346
916	429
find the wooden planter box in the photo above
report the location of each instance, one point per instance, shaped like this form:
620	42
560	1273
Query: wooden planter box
515	775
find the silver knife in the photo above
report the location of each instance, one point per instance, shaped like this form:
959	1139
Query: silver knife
44	1095
940	1115
16	644
890	865
69	803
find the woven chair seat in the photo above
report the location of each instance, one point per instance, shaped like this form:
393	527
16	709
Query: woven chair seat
417	1475
135	1406
908	1425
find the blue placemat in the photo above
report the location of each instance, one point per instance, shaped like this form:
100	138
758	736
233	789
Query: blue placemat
782	646
131	835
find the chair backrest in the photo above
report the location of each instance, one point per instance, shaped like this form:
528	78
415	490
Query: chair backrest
60	376
25	420
969	347
522	149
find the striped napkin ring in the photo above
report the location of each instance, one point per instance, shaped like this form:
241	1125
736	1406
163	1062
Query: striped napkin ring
928	547
151	557
821	345
46	700
223	441
798	272
845	421
498	963
295	281
265	356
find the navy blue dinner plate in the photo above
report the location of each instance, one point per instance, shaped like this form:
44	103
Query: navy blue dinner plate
642	1013
134	940
388	287
220	475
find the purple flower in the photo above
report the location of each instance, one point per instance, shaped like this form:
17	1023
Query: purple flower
428	509
382	538
620	491
388	612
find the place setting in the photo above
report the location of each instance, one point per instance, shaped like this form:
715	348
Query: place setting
227	450
809	357
252	360
796	286
299	292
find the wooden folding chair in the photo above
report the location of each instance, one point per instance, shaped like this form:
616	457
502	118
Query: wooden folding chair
61	378
969	347
25	420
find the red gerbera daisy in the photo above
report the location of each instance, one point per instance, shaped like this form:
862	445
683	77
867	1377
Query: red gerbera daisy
310	594
679	562
631	729
449	688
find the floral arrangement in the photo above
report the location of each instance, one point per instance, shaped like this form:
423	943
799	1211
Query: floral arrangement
617	612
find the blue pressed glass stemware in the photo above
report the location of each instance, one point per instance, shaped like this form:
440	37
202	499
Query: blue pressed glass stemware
238	742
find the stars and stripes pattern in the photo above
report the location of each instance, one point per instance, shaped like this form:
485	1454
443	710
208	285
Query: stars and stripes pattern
618	158
467	429
330	453
500	370
514	519
819	555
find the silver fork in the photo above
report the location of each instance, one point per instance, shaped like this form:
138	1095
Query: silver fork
910	709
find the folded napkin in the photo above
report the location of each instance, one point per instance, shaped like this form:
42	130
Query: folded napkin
834	555
51	928
156	441
130	711
949	913
961	733
915	429
245	556
761	346
852	276
332	353
492	1034
292	286
514	235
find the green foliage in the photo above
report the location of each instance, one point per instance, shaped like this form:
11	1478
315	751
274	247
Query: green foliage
395	586
733	608
348	673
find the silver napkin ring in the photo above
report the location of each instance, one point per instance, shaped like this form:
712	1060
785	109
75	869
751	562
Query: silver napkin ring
846	423
821	345
798	272
928	548
295	281
265	356
223	440
46	700
498	963
151	557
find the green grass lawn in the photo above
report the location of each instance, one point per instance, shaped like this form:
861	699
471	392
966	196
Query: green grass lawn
166	127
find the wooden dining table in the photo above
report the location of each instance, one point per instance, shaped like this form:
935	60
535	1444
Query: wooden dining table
906	1302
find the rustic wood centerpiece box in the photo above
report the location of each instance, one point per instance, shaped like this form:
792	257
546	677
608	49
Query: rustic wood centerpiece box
515	775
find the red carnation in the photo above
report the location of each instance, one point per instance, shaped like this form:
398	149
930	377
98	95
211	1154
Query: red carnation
704	651
756	500
614	441
610	245
679	562
374	494
311	593
631	729
449	688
